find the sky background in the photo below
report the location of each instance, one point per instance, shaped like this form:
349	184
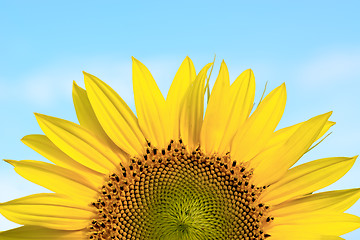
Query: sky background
313	46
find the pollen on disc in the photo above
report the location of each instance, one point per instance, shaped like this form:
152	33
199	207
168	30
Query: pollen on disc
172	193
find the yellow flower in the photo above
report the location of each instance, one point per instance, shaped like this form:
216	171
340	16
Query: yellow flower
172	173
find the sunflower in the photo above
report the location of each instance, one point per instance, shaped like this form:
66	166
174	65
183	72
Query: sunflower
173	173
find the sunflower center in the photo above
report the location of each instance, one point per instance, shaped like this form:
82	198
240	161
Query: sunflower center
176	194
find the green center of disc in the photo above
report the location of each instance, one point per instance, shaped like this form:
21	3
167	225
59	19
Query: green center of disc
174	194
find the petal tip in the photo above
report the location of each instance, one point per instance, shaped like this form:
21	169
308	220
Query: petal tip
39	116
328	114
134	59
23	139
282	89
137	63
12	162
89	77
188	60
76	88
42	118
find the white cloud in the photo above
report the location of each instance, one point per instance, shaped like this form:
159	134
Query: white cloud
53	82
44	88
39	89
332	68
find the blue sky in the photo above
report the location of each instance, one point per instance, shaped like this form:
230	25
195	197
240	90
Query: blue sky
44	45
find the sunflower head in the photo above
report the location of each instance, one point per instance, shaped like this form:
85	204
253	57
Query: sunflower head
175	171
177	194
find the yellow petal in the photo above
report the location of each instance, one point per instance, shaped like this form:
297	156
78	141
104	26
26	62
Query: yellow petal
326	128
333	201
40	233
271	164
85	112
57	179
78	143
175	98
282	135
256	131
241	101
47	210
222	84
150	106
46	148
88	120
114	115
307	178
193	110
293	233
319	223
214	124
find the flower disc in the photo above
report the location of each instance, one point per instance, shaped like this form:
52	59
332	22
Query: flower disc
173	194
